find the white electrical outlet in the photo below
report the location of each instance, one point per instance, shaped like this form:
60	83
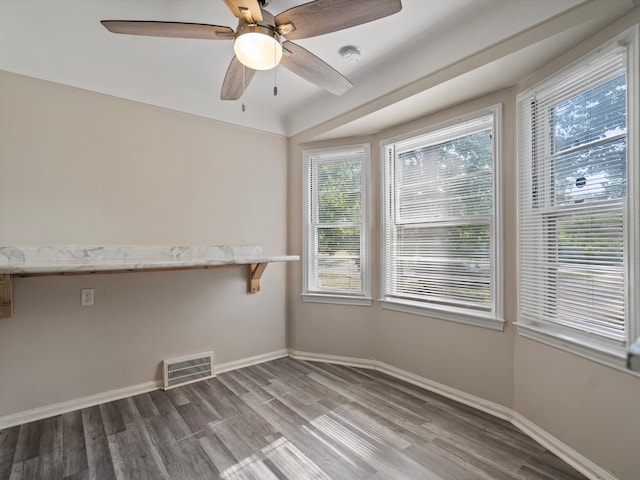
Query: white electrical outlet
86	297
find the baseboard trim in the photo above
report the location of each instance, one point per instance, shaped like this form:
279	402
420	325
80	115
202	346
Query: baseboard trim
561	449
452	393
54	409
478	403
335	359
247	362
544	438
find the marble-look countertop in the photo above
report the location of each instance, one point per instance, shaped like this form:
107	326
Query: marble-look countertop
61	259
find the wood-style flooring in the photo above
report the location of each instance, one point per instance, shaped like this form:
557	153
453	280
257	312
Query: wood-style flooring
284	419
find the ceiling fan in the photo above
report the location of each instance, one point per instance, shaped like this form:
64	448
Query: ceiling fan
262	41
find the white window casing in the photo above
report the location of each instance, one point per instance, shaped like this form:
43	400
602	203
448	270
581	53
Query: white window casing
441	221
336	236
578	205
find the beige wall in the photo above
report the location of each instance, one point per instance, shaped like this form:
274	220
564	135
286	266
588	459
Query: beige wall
82	168
593	409
590	407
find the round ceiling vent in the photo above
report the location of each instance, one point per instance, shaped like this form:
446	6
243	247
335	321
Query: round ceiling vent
350	54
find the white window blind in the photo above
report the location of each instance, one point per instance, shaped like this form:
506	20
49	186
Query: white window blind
573	200
335	219
440	217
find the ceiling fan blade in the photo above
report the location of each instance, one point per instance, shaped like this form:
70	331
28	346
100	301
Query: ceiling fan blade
305	64
326	16
233	84
169	29
247	10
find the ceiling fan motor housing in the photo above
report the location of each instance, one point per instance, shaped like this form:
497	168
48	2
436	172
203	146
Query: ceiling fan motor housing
258	45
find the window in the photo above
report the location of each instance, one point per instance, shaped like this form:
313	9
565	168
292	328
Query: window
575	204
441	255
336	250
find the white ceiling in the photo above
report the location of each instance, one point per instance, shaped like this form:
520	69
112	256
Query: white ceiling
432	54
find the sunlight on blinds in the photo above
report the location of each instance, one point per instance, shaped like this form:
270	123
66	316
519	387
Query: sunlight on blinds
439	216
573	185
335	221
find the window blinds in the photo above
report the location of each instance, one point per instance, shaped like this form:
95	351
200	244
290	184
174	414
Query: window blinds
439	217
335	220
572	197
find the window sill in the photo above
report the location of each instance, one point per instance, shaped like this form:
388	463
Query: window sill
336	299
452	314
591	349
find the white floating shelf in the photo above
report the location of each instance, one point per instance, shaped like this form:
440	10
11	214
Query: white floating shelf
84	260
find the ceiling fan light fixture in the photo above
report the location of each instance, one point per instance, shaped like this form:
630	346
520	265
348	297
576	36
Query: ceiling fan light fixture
258	47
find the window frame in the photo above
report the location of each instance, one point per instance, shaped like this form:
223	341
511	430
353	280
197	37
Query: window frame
363	298
493	318
585	343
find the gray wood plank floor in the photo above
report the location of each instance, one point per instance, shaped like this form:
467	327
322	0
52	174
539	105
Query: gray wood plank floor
284	419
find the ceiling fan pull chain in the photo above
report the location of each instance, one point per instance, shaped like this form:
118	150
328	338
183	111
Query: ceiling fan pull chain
243	105
275	75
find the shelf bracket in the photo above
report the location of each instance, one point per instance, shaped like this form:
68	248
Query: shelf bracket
255	272
6	294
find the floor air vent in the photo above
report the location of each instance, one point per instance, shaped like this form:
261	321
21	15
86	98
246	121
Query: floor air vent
188	369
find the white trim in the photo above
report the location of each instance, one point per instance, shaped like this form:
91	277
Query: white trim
478	403
585	344
468	316
59	408
247	362
336	359
70	405
544	438
464	316
336	299
365	231
633	179
497	239
560	449
486	406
